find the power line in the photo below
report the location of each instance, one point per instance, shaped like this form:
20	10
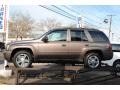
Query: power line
70	9
79	14
92	24
56	12
79	20
43	6
64	11
76	11
93	20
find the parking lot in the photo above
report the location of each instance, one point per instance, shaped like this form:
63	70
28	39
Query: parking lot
56	77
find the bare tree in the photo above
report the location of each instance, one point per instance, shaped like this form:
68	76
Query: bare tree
49	24
20	25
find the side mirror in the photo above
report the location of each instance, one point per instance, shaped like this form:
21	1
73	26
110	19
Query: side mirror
45	39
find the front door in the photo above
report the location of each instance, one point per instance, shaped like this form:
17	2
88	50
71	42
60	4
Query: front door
56	47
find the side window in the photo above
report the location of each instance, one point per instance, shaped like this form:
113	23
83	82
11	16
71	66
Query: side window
77	35
58	35
98	36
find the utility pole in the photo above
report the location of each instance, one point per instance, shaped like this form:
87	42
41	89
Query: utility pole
110	23
80	22
112	36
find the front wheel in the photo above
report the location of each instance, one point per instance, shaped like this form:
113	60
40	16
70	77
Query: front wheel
22	59
92	60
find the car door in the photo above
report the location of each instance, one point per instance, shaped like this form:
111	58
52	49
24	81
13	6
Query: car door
78	42
56	46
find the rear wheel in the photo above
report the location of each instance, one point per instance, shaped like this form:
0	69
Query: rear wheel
22	59
92	60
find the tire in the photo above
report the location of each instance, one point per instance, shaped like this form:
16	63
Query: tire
20	57
92	60
117	65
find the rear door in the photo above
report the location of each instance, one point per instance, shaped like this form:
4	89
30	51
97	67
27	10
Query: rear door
78	42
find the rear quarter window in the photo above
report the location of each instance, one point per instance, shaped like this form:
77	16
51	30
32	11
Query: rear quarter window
98	36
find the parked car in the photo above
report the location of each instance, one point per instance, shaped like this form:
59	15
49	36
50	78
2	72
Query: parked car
115	61
65	45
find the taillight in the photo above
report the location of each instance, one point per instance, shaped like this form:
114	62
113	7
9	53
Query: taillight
110	47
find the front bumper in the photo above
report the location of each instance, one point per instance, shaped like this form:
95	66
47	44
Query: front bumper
7	55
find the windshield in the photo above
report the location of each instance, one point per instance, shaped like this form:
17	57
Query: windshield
40	35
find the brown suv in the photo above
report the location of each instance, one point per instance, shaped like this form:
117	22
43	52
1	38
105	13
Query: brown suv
66	45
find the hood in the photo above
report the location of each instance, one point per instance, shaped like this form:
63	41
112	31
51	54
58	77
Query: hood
21	42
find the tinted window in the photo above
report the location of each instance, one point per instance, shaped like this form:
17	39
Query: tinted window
78	36
98	36
58	35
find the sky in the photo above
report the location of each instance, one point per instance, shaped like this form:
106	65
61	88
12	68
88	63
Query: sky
92	14
38	13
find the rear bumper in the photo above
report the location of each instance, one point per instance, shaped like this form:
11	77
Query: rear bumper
7	55
107	56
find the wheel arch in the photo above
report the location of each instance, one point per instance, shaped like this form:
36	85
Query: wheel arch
20	49
95	51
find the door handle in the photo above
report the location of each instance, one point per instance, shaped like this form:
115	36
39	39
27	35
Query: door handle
63	45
